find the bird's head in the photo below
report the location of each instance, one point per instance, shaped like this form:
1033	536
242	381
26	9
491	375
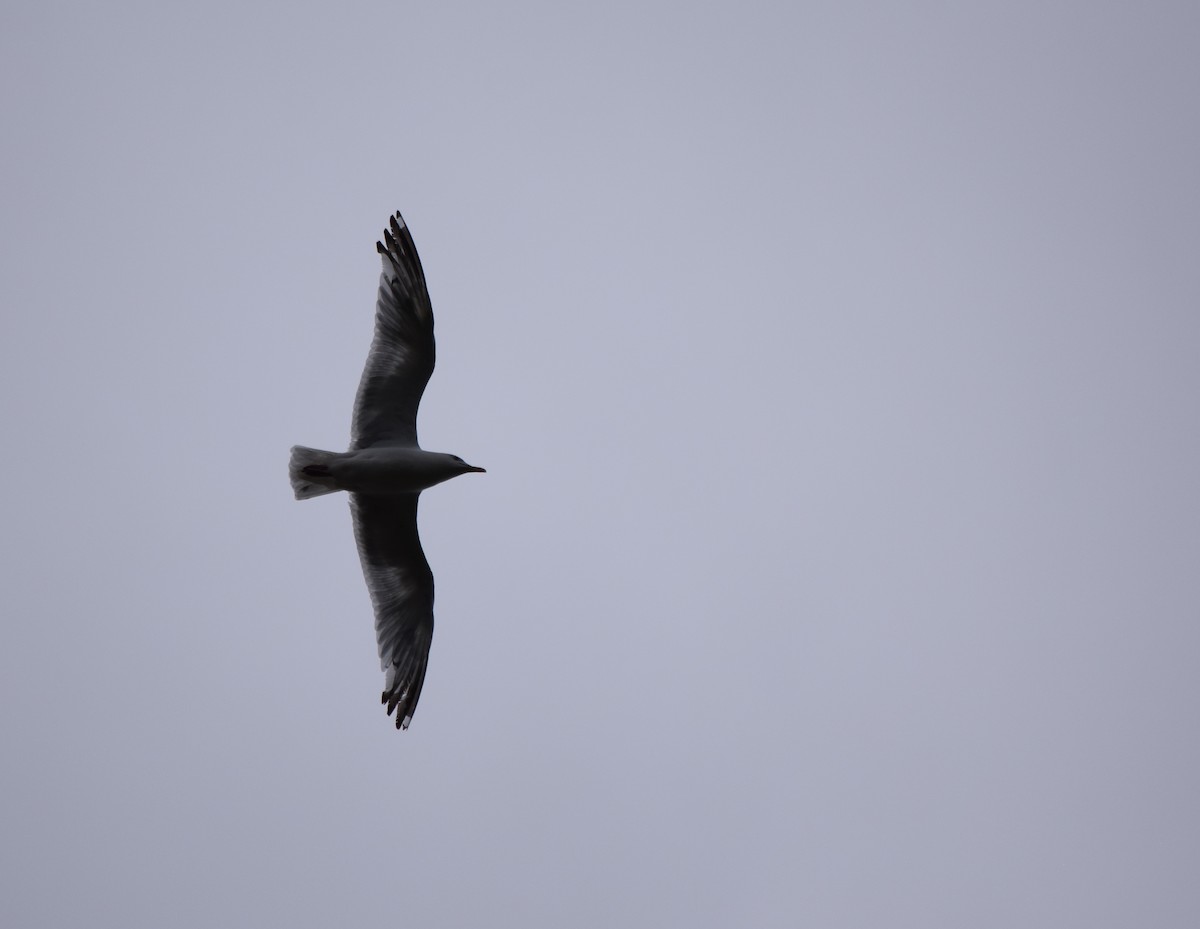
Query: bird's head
431	468
461	467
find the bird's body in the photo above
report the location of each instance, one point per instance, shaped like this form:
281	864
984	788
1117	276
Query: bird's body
385	471
382	470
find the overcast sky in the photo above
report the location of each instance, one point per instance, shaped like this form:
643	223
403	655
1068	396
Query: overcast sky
836	369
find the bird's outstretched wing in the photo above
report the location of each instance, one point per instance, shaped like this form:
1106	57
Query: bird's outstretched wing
401	587
402	353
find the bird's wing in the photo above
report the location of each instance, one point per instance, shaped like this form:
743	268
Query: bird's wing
402	352
401	587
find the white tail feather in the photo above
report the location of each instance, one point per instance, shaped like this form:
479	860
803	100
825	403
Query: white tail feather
305	471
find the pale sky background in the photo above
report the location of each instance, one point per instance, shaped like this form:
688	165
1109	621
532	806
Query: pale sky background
836	368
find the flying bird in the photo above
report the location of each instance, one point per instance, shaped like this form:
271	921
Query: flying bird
385	471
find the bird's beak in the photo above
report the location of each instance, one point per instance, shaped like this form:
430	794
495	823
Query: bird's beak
473	468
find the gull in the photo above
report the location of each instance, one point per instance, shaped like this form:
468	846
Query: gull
385	471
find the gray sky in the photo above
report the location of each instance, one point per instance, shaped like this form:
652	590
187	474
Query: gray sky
835	367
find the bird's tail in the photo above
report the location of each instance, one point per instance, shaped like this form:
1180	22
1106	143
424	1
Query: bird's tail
309	471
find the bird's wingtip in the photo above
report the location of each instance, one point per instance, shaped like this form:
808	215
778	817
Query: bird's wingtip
391	245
